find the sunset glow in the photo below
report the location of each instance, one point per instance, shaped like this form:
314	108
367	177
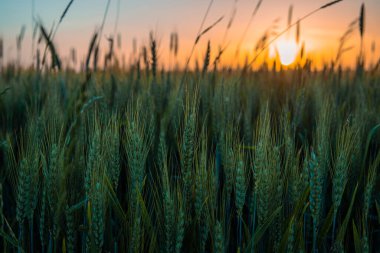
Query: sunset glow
287	50
136	19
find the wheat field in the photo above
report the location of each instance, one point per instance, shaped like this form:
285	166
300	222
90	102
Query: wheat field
210	159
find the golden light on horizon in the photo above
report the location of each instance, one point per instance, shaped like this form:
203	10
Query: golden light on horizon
321	33
287	51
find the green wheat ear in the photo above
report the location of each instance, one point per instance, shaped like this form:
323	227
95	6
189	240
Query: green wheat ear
362	20
22	191
218	238
97	199
206	61
315	197
70	230
153	50
240	187
169	221
188	147
345	148
180	230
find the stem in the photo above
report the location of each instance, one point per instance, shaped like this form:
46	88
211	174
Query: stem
195	43
333	228
115	247
253	214
50	247
304	229
114	233
84	235
31	235
315	236
20	235
254	219
55	237
228	213
239	230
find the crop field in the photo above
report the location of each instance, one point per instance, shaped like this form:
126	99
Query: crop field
204	159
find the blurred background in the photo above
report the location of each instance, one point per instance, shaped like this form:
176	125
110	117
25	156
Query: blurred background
131	21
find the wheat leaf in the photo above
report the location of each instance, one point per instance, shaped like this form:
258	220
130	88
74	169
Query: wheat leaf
65	11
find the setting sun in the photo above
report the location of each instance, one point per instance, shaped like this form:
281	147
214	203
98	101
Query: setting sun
287	50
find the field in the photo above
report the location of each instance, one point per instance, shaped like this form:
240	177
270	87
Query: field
282	161
210	159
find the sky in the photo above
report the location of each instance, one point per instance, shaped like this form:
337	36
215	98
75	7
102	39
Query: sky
137	18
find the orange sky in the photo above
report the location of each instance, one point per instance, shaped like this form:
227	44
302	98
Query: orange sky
137	18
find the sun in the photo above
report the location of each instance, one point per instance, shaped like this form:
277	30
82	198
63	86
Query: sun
287	50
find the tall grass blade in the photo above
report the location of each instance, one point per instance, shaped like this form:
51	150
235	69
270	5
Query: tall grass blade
66	10
56	62
343	227
208	29
357	241
330	4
